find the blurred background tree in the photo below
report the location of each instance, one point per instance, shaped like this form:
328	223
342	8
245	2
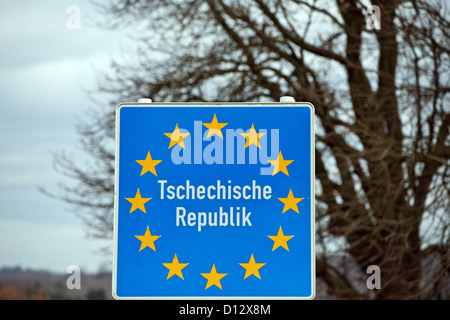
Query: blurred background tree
381	97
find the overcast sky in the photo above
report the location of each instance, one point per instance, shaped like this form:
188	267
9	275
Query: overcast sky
44	67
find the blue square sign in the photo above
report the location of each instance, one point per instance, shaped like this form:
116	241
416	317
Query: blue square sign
214	200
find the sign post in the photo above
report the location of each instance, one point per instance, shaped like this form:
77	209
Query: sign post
214	200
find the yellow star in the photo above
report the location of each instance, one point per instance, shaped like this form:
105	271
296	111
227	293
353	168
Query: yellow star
280	164
138	202
148	164
214	127
175	267
290	202
252	137
213	278
147	240
280	240
176	137
252	268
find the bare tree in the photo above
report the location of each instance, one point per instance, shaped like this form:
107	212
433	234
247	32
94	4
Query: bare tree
382	116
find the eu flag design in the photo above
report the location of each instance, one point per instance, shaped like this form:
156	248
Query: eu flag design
214	200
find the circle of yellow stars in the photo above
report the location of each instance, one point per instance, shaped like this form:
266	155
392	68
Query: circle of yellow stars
213	277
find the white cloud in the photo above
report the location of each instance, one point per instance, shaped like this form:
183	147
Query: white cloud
43	69
48	246
32	32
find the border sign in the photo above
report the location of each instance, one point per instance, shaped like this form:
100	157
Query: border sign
214	201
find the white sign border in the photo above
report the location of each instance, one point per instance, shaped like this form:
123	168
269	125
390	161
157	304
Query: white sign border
206	105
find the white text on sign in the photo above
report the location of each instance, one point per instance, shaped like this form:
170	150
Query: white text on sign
234	216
